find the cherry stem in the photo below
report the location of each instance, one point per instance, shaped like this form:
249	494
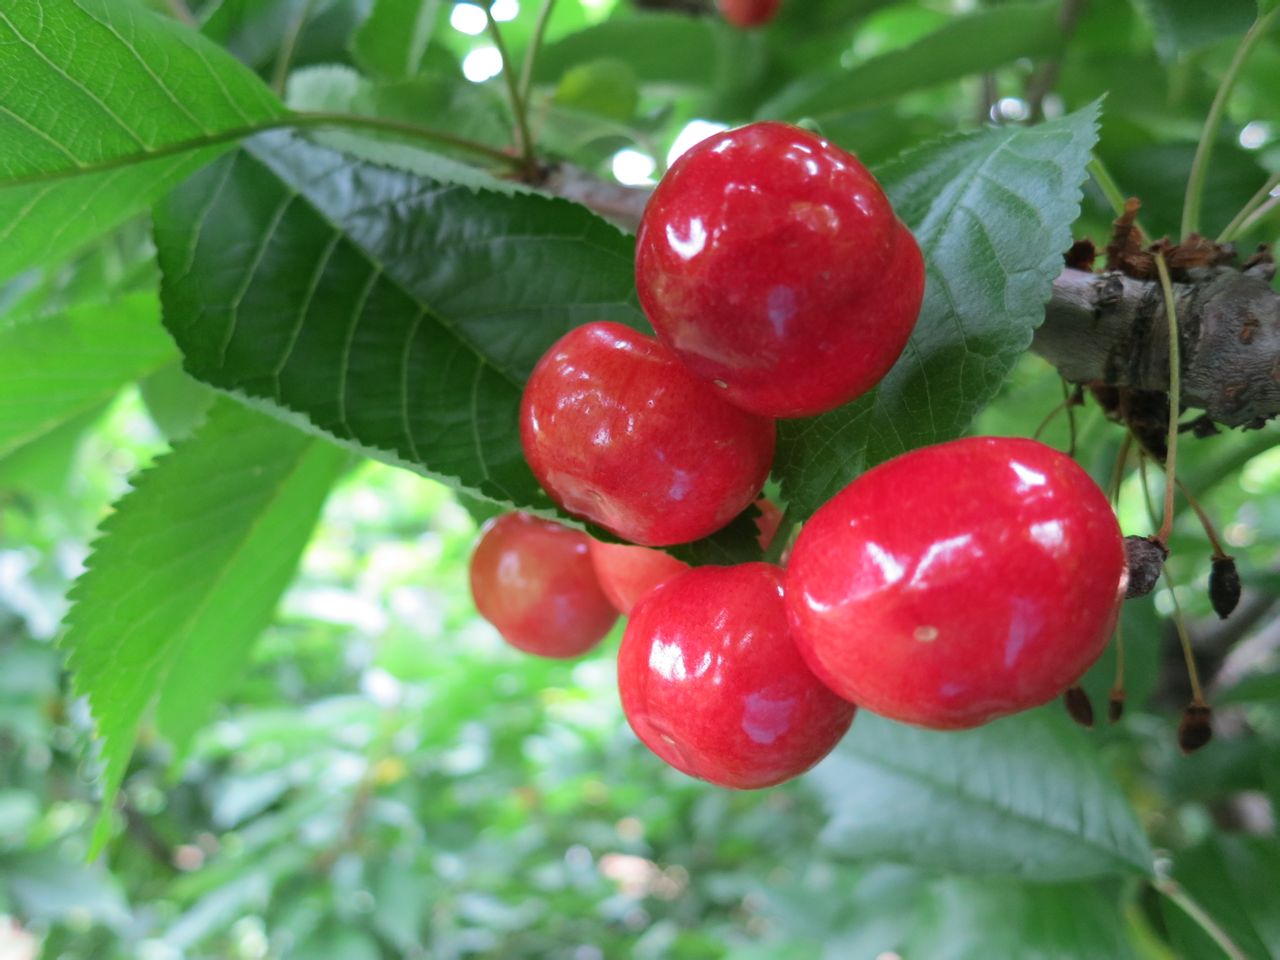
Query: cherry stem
535	47
182	13
1067	404
1175	892
1218	552
1107	184
1117	473
1252	219
1250	214
1175	401
280	73
1118	684
781	538
1213	120
1048	419
1193	675
524	143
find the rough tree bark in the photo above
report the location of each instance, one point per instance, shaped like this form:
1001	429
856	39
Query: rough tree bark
1107	327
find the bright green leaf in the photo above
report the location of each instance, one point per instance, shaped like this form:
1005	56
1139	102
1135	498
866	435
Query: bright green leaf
1235	879
1026	795
603	87
186	574
966	45
992	211
968	919
92	88
1182	26
56	369
397	314
391	43
660	48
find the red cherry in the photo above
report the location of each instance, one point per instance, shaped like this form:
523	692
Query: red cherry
533	580
772	263
627	573
713	684
619	432
748	13
958	583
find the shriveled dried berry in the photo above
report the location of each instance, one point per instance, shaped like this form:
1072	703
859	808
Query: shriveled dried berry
1224	586
1115	706
1196	728
1079	706
1146	561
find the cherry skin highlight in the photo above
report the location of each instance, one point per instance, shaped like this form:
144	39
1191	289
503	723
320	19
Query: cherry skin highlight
619	432
713	684
958	583
771	262
748	13
533	580
627	573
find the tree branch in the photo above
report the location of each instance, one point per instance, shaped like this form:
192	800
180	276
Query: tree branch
1106	327
1110	328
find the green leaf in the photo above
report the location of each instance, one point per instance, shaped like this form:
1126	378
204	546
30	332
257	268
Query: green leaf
186	574
1255	688
397	314
392	42
50	886
992	211
55	369
967	919
973	43
465	109
1026	795
1182	26
660	48
254	30
603	87
1235	879
93	87
177	403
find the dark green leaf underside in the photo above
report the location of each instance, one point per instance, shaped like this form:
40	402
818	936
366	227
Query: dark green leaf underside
395	313
1026	795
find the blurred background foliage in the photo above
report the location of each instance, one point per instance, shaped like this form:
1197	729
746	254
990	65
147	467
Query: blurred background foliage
389	780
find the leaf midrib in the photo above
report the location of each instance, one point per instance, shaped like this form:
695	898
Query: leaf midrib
987	805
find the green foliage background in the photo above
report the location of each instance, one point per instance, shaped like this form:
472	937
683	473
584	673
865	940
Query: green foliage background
262	336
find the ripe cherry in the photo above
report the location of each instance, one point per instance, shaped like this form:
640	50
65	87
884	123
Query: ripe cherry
627	573
772	263
713	684
958	583
533	580
619	432
748	13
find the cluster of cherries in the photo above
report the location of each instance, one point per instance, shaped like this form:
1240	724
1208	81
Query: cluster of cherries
946	587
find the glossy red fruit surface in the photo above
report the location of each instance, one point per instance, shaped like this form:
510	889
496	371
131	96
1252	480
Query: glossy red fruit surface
748	13
619	432
772	263
533	580
713	684
626	573
958	583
